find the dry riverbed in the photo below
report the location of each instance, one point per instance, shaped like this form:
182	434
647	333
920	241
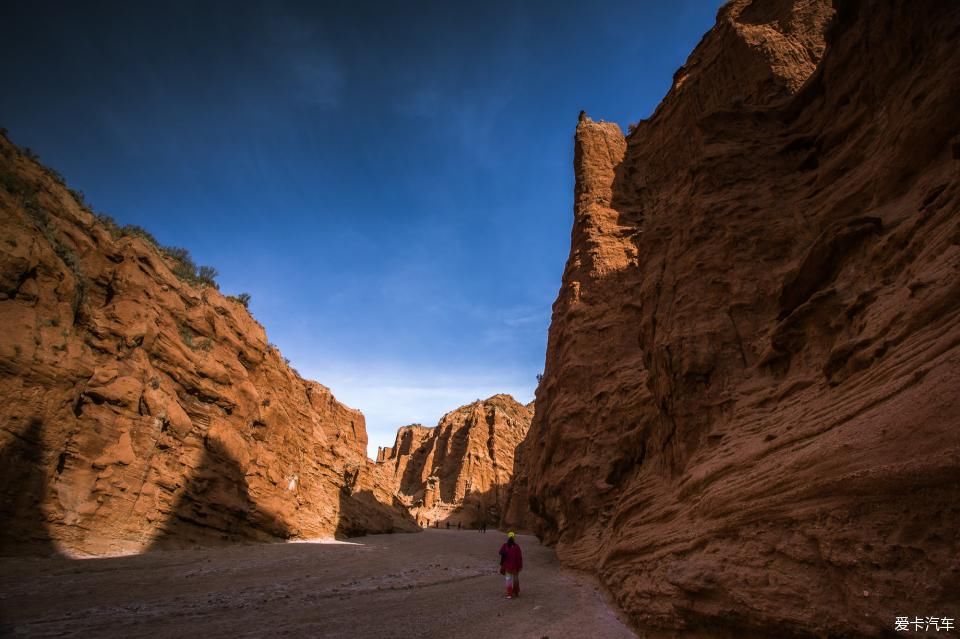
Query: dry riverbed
434	584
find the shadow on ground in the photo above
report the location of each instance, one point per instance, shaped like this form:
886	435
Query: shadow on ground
361	512
214	508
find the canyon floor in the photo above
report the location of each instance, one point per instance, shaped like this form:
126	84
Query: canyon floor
438	583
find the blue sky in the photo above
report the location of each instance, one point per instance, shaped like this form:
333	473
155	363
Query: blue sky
391	182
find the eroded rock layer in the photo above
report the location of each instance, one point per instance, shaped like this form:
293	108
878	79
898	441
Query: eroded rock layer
142	411
459	471
749	422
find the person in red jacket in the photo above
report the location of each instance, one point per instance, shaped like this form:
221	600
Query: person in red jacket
511	563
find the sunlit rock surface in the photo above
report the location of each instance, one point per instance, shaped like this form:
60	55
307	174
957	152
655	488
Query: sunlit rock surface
141	410
459	471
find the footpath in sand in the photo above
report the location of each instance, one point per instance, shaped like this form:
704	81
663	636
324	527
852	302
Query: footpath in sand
438	583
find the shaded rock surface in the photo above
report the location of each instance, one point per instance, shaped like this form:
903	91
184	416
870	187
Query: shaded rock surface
142	410
749	423
460	470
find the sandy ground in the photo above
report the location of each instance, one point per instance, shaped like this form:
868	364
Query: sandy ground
435	584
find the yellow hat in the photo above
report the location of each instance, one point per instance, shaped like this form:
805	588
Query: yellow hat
511	534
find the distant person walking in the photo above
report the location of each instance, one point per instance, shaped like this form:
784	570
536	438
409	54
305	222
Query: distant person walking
511	563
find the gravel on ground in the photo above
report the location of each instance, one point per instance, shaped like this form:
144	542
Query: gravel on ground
438	583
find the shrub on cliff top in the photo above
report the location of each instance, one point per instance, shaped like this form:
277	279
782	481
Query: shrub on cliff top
187	270
108	223
242	298
207	275
184	267
127	230
132	230
55	176
79	197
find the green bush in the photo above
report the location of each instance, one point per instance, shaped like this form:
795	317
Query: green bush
242	298
109	223
184	267
180	255
79	197
207	275
55	175
15	185
132	230
32	206
187	335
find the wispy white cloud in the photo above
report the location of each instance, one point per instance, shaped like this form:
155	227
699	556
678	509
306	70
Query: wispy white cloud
393	395
516	324
526	316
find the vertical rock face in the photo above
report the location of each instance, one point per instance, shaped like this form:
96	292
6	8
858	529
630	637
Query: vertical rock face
141	410
459	471
749	423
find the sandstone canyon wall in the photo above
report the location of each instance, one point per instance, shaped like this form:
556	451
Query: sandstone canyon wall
749	420
141	410
460	470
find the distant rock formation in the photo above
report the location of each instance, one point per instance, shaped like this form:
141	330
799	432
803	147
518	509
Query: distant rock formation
748	423
142	408
460	470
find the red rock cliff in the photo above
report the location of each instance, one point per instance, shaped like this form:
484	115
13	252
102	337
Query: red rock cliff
459	471
749	422
141	410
